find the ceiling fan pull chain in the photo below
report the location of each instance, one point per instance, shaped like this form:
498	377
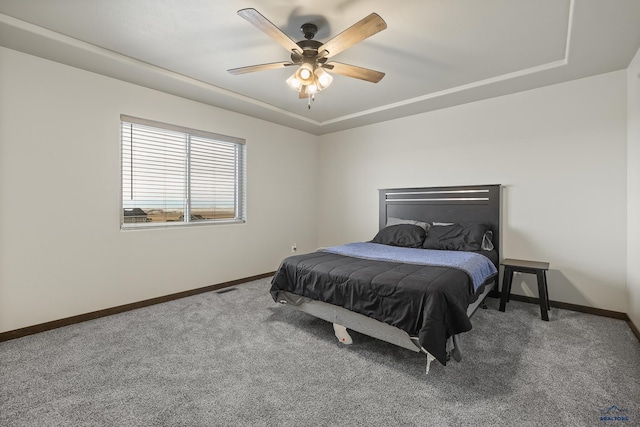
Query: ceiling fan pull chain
312	97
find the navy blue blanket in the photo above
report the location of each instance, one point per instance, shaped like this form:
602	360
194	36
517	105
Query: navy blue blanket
479	267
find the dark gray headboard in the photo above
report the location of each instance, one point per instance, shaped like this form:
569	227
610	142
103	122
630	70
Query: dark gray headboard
470	203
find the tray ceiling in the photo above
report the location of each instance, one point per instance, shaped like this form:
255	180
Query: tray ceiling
435	53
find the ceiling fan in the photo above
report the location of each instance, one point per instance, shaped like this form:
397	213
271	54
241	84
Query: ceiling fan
311	55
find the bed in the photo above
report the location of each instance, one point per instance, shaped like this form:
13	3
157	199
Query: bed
417	283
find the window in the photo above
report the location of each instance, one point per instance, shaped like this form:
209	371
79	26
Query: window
177	176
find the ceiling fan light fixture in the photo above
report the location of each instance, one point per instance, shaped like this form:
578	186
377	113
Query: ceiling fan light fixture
294	83
323	79
305	74
308	80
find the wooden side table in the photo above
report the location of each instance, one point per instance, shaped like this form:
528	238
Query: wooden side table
532	267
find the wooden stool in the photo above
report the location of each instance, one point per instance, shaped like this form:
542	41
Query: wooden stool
532	267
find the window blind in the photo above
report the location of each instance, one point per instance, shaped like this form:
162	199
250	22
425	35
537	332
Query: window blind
174	176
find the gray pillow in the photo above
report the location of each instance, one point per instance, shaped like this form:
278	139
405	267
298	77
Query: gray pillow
456	237
405	235
395	221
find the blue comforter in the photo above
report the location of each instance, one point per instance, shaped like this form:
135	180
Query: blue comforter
478	267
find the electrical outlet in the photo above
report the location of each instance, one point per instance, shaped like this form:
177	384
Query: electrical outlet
293	248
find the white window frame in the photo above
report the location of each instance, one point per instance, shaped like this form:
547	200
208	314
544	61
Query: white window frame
239	172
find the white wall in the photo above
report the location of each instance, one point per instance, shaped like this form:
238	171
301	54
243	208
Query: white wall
61	250
560	151
62	253
633	188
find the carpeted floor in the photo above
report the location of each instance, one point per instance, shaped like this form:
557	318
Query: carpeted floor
239	359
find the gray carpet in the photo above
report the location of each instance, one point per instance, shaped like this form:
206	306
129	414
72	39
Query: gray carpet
238	358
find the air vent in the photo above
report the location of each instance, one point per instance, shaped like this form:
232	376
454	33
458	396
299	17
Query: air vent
224	291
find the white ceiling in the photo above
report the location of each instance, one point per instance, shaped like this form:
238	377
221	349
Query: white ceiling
435	53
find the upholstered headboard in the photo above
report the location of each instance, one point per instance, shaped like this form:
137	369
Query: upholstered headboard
472	203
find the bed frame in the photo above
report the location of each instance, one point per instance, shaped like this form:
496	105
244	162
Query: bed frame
476	203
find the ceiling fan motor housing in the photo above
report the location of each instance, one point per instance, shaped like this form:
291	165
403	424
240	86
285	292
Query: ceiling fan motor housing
309	30
309	53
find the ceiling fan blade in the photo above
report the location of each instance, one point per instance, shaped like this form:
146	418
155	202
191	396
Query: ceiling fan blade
261	67
353	71
359	31
258	20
